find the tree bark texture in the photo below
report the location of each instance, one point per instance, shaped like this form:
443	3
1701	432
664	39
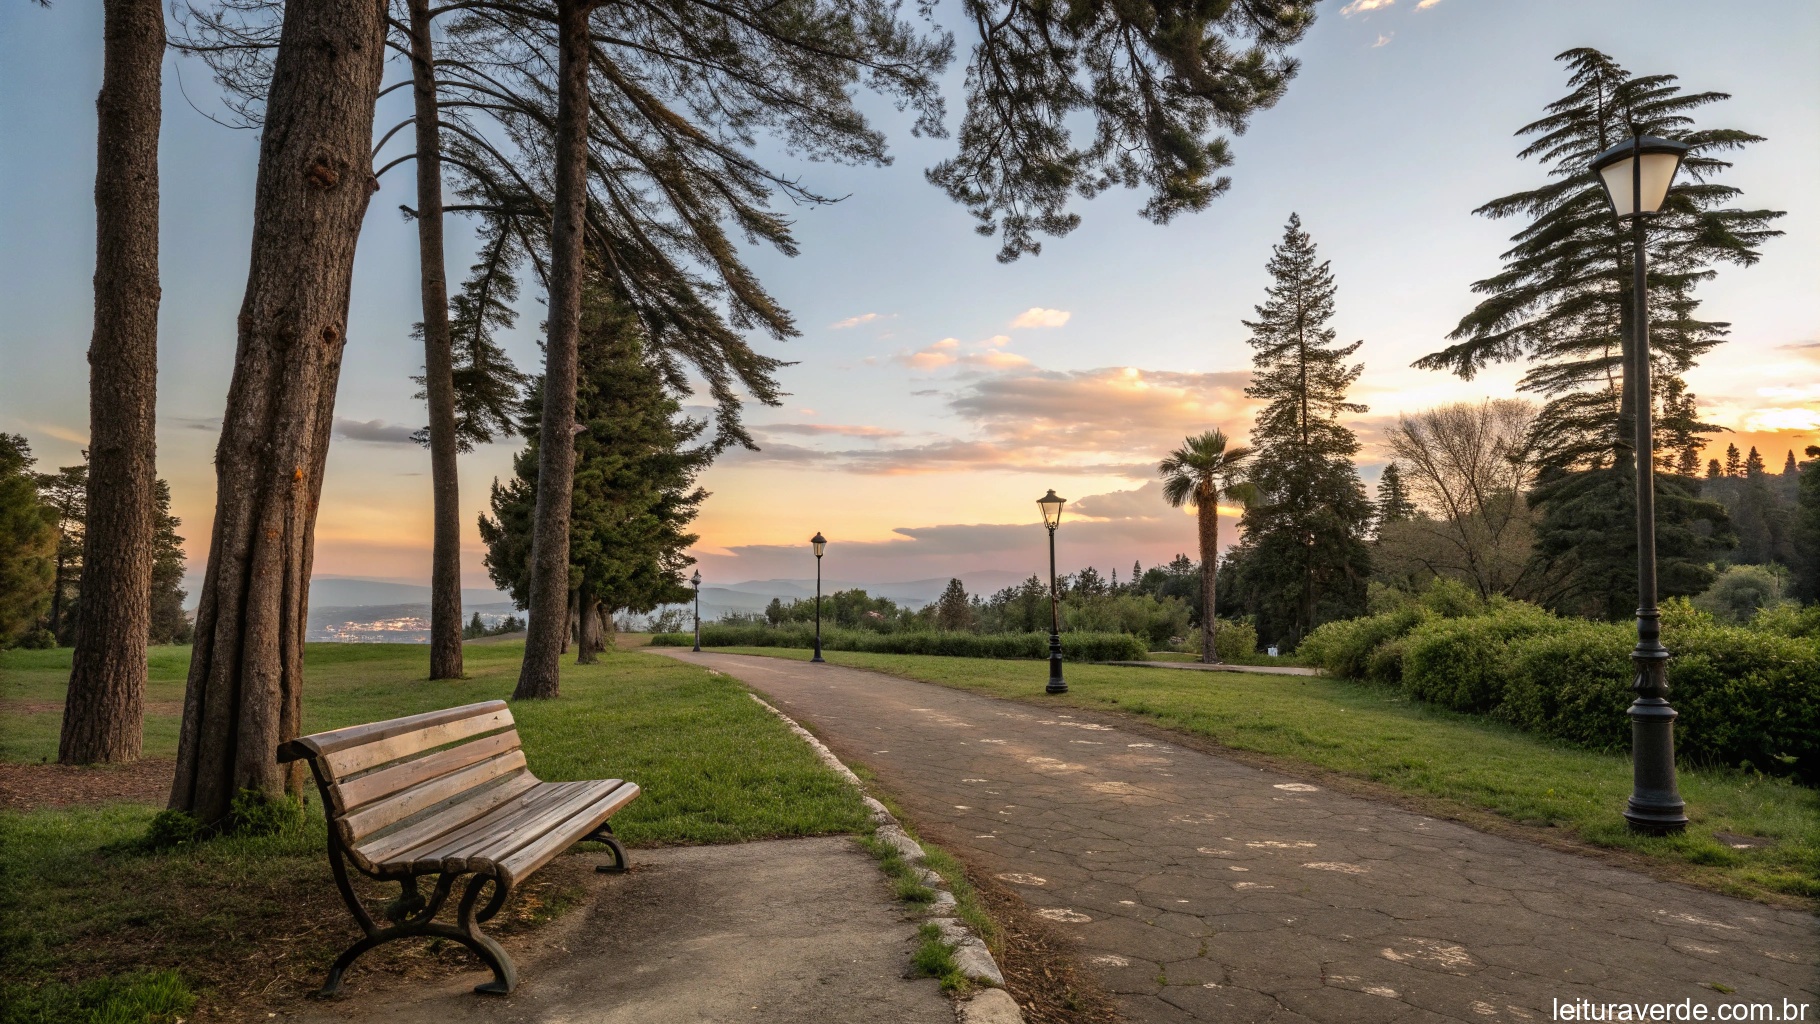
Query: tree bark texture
438	361
315	177
1208	517
538	676
593	638
104	715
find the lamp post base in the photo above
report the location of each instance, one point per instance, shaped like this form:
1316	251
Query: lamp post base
818	659
1655	806
1056	683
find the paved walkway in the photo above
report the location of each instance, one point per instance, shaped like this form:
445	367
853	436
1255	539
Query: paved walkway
1201	889
801	931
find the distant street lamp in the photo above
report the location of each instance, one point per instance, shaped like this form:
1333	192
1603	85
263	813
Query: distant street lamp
1637	174
1052	517
819	543
695	581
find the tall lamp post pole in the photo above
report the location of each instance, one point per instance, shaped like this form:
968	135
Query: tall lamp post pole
695	581
1052	517
819	543
1637	174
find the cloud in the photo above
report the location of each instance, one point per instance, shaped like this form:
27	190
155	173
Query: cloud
1384	39
819	429
854	321
374	431
212	424
1424	5
1037	316
1365	7
1115	421
934	357
1801	346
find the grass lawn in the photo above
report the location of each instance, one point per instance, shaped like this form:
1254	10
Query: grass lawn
241	917
1453	763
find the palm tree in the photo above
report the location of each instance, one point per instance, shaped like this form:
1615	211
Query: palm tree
1200	473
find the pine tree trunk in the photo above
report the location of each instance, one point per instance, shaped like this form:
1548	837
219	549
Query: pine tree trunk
539	675
1210	551
315	177
103	716
438	361
588	650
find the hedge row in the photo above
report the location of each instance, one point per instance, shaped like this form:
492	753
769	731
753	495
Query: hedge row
1078	646
1748	697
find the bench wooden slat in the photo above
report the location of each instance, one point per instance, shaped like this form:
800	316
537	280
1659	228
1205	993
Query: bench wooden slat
343	763
323	743
375	851
399	806
535	855
372	786
502	832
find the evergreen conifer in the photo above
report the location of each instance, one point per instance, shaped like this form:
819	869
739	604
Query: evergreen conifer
1304	559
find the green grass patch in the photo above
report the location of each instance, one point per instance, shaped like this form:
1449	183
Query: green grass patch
90	900
934	958
146	997
1372	733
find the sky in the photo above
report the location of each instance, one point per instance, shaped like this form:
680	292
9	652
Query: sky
936	393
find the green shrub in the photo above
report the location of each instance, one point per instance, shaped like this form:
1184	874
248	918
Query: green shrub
1747	696
1788	619
39	639
1235	641
1741	590
1075	646
1459	663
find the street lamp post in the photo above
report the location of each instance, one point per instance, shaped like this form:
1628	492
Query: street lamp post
819	543
695	581
1052	517
1637	174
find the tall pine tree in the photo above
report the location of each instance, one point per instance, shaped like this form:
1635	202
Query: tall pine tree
1393	505
1563	303
1304	559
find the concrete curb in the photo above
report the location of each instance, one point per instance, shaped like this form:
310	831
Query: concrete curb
989	1006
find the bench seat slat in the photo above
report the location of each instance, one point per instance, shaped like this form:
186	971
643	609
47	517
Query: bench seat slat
375	851
502	832
343	763
529	858
399	806
399	777
324	743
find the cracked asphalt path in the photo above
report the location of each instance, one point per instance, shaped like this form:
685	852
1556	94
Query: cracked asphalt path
1198	888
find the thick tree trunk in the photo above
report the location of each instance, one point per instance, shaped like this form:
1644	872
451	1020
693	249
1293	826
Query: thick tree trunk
538	676
438	361
315	177
592	636
104	716
1209	519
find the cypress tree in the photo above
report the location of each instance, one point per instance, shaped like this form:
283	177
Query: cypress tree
1304	558
1806	583
28	542
634	494
1393	505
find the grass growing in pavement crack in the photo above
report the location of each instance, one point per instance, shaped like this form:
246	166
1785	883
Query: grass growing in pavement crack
935	959
967	903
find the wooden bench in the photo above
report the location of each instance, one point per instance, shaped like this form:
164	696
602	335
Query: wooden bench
447	794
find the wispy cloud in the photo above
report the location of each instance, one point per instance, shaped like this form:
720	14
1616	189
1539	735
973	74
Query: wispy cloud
1384	39
1037	316
820	429
1365	6
855	321
936	356
374	431
1014	416
1424	5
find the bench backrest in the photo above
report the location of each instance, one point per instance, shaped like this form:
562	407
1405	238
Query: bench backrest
378	774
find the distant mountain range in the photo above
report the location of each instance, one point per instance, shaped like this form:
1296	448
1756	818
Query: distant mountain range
356	610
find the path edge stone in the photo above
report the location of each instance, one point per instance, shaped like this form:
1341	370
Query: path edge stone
990	1005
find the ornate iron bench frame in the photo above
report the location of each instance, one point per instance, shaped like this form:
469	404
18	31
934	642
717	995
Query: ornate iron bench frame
411	914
